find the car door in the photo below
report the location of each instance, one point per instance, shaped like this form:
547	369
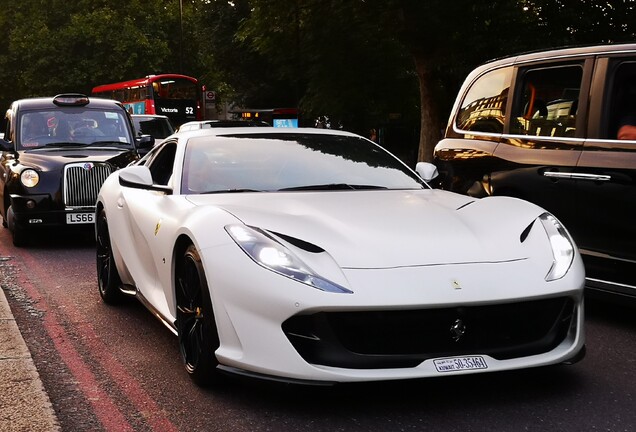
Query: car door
607	178
544	136
7	159
145	210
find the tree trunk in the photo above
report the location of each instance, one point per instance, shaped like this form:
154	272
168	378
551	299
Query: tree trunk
430	130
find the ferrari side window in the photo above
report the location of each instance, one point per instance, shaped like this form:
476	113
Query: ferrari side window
162	165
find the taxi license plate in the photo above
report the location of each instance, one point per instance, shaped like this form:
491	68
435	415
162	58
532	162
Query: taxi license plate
454	364
80	218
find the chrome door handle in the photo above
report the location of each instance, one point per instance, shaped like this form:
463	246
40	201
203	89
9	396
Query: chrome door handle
577	176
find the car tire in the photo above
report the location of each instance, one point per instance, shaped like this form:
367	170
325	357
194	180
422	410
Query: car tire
19	235
108	279
196	326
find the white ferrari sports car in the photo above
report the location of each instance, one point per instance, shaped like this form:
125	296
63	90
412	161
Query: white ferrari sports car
315	256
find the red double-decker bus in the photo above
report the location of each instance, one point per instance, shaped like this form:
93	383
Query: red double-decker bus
173	95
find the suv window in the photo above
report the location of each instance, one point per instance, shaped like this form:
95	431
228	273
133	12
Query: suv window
484	106
622	99
547	102
158	127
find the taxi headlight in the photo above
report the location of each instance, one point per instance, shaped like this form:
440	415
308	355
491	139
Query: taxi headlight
29	178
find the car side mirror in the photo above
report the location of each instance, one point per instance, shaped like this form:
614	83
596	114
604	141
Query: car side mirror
139	177
426	170
145	141
6	145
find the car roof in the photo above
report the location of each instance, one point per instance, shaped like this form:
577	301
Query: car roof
47	103
563	52
226	123
259	131
157	116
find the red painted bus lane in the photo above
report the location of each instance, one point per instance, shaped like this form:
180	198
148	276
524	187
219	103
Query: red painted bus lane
38	285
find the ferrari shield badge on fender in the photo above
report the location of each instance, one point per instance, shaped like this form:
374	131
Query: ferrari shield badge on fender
157	226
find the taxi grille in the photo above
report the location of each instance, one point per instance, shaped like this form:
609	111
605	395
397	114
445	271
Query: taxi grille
405	338
82	182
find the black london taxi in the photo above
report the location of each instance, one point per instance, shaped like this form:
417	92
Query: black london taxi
552	127
56	153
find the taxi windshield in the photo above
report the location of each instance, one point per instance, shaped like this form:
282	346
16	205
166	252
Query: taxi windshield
72	127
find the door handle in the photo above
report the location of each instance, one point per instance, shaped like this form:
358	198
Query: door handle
577	176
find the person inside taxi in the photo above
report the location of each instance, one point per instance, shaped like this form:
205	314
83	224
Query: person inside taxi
34	127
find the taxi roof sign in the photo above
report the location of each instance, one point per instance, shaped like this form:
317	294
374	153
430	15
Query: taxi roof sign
71	99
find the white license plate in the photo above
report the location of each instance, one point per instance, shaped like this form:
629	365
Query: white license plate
80	218
454	364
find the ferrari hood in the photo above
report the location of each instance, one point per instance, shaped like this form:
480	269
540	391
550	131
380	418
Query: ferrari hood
382	229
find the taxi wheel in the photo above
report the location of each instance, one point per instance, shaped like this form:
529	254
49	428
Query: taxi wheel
108	279
196	327
19	235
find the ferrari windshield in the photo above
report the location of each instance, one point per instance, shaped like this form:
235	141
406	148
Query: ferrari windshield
64	127
291	162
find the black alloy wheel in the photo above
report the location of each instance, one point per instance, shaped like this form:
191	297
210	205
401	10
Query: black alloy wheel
196	327
107	276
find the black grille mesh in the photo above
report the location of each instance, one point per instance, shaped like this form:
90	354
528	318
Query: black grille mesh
405	338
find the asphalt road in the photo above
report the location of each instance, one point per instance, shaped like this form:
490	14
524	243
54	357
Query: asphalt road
118	369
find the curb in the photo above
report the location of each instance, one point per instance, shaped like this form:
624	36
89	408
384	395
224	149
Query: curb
25	405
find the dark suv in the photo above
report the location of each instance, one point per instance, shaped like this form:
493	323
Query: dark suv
544	127
56	153
158	126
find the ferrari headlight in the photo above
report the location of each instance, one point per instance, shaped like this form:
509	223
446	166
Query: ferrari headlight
29	177
561	244
270	254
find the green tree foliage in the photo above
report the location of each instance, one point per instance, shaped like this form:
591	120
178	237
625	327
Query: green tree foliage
573	22
364	63
336	58
56	46
446	40
237	74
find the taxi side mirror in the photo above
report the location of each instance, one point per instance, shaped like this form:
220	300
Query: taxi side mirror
6	146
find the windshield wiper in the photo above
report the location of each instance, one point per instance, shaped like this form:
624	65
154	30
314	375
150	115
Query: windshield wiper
61	144
332	186
98	143
230	191
79	144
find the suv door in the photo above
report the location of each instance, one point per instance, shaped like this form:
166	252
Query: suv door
543	140
607	184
